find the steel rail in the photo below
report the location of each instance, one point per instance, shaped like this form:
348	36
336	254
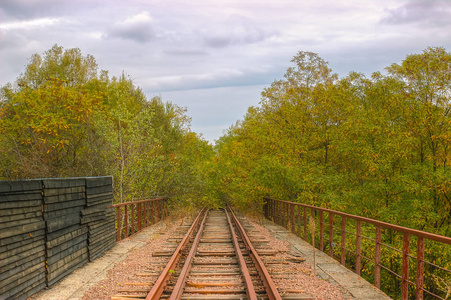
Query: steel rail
181	281
158	287
270	287
250	290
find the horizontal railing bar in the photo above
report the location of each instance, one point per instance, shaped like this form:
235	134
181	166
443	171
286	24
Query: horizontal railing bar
136	202
438	267
412	283
419	233
392	248
368	238
390	271
430	263
367	258
432	294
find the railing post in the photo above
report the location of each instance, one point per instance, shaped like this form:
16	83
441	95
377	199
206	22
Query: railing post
377	264
265	208
331	234
152	216
358	250
273	209
118	223
276	209
280	213
293	228
313	226
305	223
343	241
287	215
274	216
274	213
405	267
133	218
139	216
145	214
158	211
321	230
269	209
126	221
299	220
152	212
271	213
283	213
420	269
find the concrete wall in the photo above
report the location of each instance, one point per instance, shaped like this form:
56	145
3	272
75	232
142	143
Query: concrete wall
49	228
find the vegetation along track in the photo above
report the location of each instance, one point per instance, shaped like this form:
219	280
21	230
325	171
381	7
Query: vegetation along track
214	260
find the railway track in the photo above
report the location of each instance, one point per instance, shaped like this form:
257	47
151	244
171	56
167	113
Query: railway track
215	259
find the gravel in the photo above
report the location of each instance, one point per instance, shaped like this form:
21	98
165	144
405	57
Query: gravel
139	261
296	276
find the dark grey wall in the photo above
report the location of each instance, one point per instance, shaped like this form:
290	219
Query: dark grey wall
49	228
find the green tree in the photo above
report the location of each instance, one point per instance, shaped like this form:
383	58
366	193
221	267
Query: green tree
44	129
68	65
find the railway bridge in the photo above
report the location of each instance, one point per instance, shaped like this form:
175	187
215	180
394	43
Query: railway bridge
64	239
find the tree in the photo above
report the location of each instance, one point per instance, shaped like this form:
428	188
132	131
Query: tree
68	65
45	127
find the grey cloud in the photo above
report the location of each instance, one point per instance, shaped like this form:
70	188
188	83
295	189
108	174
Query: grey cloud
430	13
139	28
23	9
219	78
184	52
234	35
11	10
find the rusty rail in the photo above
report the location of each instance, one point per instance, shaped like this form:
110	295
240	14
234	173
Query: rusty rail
181	281
158	287
132	217
283	213
250	290
271	289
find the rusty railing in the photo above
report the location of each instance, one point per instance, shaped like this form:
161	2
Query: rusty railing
294	216
132	217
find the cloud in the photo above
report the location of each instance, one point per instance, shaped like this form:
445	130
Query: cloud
236	30
139	28
25	9
29	24
224	37
186	52
430	13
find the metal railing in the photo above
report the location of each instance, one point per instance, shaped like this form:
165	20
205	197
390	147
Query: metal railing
294	216
132	217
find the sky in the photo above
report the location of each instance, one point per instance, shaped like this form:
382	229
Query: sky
215	57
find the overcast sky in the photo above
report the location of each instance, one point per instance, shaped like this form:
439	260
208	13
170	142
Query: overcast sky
215	56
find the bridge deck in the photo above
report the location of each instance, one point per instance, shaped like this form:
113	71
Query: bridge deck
75	285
